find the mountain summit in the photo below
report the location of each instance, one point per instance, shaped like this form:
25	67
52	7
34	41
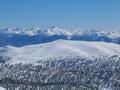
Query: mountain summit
56	50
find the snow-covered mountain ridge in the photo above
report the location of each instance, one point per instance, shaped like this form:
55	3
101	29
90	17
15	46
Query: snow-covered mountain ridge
58	49
64	62
21	37
57	31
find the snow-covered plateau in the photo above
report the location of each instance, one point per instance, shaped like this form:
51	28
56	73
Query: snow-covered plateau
61	65
57	49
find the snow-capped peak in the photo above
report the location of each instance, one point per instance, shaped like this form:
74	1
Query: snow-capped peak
36	30
58	31
31	31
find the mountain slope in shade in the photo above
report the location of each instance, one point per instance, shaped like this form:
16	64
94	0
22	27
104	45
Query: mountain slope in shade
57	49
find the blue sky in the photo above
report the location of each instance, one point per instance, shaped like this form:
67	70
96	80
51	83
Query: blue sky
84	14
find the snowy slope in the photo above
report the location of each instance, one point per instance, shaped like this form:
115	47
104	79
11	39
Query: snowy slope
2	88
57	49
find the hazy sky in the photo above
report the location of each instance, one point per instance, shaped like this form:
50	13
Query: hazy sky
84	14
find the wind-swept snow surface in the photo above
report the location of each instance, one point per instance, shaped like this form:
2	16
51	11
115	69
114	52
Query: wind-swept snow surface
57	49
2	88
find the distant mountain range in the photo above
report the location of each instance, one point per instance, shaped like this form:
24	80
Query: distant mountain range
20	37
